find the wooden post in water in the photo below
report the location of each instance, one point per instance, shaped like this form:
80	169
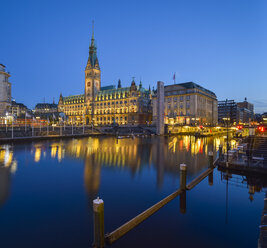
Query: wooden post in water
211	166
183	169
211	160
98	209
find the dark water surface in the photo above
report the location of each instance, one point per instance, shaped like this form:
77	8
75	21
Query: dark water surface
47	189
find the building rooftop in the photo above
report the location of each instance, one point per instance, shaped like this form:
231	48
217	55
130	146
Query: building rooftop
189	85
45	105
73	97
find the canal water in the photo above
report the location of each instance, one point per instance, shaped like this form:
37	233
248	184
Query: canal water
47	189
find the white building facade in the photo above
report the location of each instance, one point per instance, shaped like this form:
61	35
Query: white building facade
5	91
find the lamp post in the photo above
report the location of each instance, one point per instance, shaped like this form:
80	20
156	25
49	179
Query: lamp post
47	128
12	131
6	121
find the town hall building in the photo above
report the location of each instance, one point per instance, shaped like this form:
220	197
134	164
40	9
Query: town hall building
106	105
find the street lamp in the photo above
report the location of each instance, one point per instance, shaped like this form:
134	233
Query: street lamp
6	121
227	139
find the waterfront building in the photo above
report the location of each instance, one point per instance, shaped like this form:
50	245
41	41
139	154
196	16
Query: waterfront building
246	111
5	91
106	105
264	118
235	112
187	104
19	109
46	110
228	111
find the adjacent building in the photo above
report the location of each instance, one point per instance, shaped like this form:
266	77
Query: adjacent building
235	112
19	109
5	91
187	104
46	110
246	111
106	105
228	112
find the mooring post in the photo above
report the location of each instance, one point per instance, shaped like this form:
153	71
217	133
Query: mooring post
211	160
99	238
183	169
211	178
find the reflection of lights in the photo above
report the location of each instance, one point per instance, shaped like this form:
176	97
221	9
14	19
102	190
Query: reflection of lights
53	151
14	166
37	154
172	144
6	157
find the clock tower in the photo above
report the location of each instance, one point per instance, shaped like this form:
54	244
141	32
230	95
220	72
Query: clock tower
92	78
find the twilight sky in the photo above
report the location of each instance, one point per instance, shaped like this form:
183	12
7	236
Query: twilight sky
219	44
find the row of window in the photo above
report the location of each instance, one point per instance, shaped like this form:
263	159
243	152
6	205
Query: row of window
175	99
111	118
113	111
74	107
176	114
73	102
115	96
181	106
117	103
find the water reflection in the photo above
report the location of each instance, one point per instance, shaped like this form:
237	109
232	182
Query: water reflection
7	166
157	157
164	154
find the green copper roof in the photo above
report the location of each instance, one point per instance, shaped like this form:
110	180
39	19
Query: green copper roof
73	97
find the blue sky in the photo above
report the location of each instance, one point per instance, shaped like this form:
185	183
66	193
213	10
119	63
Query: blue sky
219	44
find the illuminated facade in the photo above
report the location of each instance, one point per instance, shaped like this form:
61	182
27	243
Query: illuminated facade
187	104
106	105
5	91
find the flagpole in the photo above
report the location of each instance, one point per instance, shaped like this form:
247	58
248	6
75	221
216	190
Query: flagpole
25	122
83	123
47	130
72	127
32	127
6	121
64	122
12	126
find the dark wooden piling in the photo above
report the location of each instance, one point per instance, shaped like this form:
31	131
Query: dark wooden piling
98	209
183	171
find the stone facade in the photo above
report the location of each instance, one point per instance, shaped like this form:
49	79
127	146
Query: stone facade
46	110
188	104
19	109
106	105
160	108
5	91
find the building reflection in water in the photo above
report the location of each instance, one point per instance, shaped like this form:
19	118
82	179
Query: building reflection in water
8	165
163	153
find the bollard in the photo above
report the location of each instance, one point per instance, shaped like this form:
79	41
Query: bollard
98	209
183	169
211	160
183	202
211	178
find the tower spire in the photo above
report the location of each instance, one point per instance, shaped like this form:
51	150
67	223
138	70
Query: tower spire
93	30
